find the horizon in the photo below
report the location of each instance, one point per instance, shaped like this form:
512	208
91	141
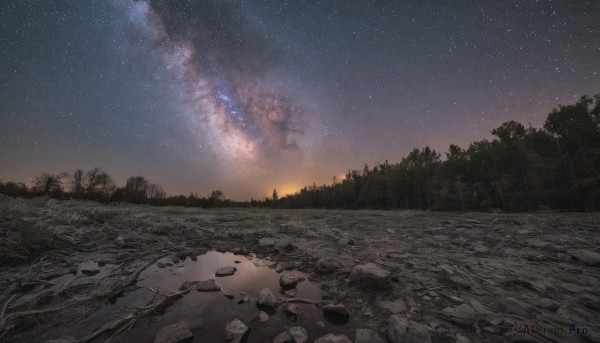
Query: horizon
247	98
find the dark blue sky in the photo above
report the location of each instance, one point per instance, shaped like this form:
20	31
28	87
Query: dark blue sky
247	96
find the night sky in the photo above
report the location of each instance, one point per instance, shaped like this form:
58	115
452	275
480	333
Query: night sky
247	96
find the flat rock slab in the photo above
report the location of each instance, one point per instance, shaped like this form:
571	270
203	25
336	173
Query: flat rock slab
370	276
588	257
209	285
174	333
225	271
235	331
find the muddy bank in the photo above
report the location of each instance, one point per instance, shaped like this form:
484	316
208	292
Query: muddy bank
406	275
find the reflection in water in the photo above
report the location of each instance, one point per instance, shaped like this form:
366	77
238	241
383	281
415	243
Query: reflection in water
207	313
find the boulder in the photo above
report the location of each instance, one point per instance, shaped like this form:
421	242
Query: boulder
209	285
266	298
235	331
288	281
369	276
331	338
225	271
328	265
299	334
263	316
174	333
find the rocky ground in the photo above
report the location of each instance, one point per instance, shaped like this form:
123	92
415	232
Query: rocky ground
405	276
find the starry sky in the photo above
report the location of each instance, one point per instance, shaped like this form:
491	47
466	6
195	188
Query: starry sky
247	96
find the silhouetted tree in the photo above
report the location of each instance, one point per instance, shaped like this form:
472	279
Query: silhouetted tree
48	184
135	189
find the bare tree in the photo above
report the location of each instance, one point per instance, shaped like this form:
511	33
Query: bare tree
155	191
47	183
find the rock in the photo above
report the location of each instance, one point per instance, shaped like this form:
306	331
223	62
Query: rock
463	314
225	271
400	330
126	241
90	272
279	268
397	328
516	307
62	339
161	264
337	309
266	242
209	285
397	306
266	298
288	281
292	311
367	336
547	304
331	338
418	333
327	265
588	257
370	276
283	337
299	334
263	316
173	333
235	331
320	324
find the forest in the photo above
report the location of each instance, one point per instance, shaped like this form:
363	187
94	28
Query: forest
519	169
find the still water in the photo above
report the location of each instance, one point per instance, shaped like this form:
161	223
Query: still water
207	313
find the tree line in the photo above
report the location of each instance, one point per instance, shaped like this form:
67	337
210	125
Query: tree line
520	169
98	185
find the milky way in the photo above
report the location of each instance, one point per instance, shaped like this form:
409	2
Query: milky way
247	96
223	99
